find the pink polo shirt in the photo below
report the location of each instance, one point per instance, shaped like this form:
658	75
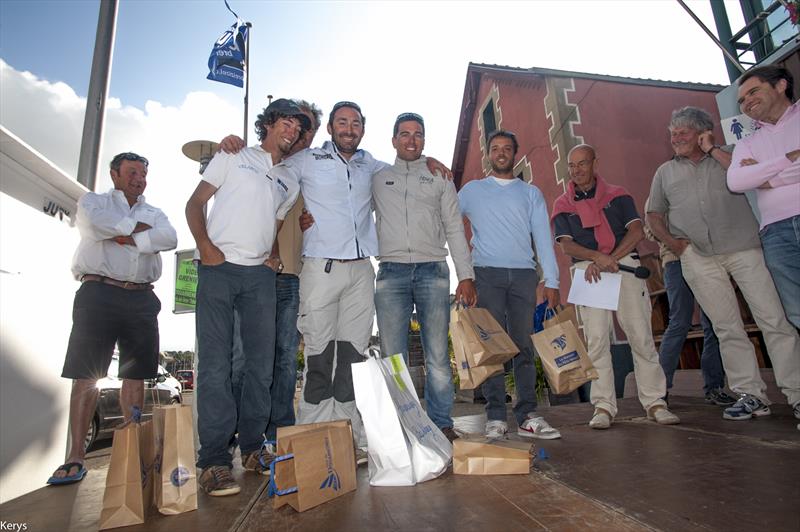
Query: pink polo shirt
769	146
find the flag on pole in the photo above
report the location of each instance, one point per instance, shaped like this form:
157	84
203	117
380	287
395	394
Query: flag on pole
226	63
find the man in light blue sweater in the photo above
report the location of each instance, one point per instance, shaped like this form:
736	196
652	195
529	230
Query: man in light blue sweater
505	213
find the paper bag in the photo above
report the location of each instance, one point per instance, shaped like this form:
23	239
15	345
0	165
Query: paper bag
389	459
496	458
469	376
175	474
484	340
314	465
564	314
129	483
564	358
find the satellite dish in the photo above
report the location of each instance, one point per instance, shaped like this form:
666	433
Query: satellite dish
201	151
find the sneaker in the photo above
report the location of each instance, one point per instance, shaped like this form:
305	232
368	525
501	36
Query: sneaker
217	481
259	460
450	434
720	397
361	456
537	427
746	407
495	429
601	419
662	416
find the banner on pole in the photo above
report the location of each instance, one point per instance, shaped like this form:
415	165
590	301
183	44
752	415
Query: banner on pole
185	281
226	63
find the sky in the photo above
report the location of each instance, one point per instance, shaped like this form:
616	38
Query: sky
390	57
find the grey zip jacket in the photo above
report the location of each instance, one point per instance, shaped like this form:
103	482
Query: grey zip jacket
416	212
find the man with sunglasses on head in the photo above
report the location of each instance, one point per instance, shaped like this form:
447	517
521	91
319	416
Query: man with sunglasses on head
237	273
416	214
117	262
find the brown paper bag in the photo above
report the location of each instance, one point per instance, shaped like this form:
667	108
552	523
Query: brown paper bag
564	314
175	473
469	377
564	358
129	483
484	340
505	457
315	464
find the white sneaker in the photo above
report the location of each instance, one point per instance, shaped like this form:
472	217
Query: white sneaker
662	416
495	429
537	427
600	420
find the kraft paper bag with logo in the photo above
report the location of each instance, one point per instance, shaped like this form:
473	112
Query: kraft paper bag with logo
389	458
564	358
175	473
484	340
505	457
430	449
313	466
561	315
469	377
129	483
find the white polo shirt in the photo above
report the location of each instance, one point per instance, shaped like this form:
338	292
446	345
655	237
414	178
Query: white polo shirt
246	205
338	193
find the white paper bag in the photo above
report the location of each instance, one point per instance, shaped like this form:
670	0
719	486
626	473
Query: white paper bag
389	457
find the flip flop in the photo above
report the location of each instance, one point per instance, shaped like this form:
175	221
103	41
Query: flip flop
69	479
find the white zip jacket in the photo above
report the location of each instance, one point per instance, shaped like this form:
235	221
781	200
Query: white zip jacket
416	213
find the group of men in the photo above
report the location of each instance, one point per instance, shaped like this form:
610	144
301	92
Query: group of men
249	276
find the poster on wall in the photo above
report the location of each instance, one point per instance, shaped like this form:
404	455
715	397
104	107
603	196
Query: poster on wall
185	281
738	127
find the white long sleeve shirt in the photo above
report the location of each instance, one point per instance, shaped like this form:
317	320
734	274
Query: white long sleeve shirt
100	218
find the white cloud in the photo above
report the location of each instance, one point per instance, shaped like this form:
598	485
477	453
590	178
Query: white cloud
49	117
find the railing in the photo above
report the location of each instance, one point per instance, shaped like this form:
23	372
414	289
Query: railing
761	33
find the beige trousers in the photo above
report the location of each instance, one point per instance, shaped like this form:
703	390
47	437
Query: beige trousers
633	314
708	277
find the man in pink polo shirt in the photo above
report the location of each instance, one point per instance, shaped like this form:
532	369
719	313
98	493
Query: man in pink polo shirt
769	162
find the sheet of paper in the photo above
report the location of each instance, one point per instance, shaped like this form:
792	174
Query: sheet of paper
601	294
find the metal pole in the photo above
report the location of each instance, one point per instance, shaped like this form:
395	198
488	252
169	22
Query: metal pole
713	37
725	35
247	78
98	89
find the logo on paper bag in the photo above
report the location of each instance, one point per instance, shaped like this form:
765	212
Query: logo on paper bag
560	341
482	333
179	476
569	358
332	480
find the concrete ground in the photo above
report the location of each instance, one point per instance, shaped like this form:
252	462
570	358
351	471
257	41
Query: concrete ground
704	474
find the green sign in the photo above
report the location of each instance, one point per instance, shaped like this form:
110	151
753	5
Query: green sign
185	281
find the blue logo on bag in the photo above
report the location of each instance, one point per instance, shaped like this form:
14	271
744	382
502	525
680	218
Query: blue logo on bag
484	335
332	480
179	476
560	342
569	358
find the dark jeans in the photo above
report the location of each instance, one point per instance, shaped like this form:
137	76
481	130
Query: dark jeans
509	294
221	290
284	379
681	309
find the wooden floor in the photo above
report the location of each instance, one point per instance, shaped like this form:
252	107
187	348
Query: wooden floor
704	474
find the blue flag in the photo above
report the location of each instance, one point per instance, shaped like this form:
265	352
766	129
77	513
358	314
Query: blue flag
226	63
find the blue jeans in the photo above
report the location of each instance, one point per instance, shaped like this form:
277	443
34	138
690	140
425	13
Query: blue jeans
284	380
509	294
781	244
221	290
426	285
681	309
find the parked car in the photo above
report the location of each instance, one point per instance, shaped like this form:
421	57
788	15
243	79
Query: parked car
186	378
108	413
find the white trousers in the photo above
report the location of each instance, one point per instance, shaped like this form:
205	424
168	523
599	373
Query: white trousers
633	314
336	315
709	279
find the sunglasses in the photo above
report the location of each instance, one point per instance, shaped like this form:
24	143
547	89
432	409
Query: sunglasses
128	156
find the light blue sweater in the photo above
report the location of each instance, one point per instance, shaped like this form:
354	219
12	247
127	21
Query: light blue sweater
503	219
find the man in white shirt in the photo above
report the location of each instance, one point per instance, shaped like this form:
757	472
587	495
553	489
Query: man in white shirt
237	273
117	262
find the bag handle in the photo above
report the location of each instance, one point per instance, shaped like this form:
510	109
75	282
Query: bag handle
272	488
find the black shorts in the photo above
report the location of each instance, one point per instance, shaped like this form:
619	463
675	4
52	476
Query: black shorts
104	315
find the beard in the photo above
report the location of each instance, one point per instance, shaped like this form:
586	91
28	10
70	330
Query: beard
504	168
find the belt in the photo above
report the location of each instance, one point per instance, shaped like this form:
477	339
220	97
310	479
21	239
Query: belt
345	260
113	282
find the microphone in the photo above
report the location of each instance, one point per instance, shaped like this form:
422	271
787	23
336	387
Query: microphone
640	271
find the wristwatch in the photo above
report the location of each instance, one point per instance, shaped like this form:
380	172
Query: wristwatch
714	147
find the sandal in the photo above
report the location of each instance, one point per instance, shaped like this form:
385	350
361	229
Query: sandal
68	479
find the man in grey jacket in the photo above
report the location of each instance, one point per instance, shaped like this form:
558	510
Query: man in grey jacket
416	212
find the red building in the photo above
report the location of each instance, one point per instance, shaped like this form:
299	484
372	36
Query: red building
551	111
